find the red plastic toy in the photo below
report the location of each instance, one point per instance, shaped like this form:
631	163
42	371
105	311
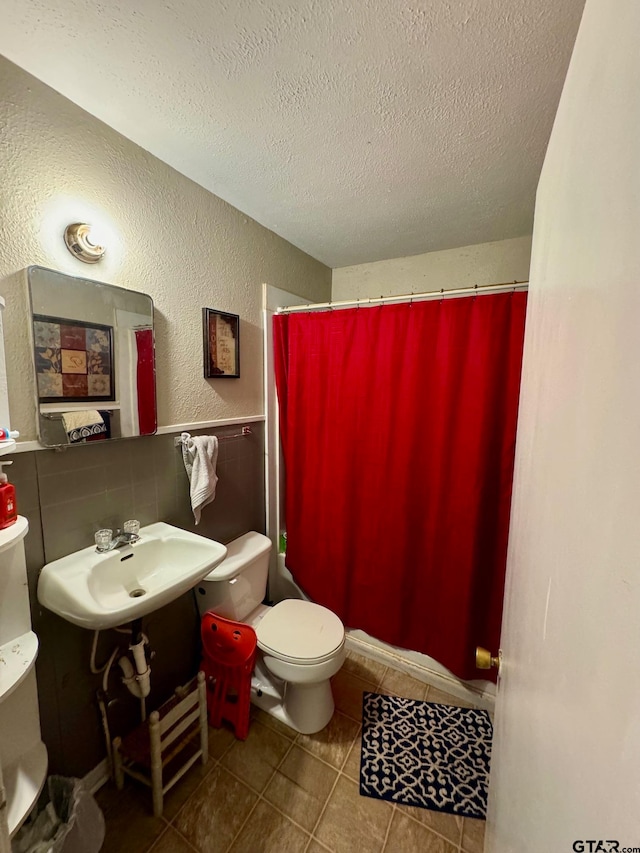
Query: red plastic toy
229	653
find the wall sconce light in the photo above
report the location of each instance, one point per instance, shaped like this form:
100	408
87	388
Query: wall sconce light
84	242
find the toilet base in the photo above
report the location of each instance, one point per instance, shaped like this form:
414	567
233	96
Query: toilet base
307	708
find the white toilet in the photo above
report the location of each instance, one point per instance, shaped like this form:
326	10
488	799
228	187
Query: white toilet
301	644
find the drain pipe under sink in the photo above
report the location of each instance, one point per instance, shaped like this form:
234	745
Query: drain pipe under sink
138	680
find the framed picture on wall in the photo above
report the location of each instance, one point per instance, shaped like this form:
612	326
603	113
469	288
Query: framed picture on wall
221	344
74	360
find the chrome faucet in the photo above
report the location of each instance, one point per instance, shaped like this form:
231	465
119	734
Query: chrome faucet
106	541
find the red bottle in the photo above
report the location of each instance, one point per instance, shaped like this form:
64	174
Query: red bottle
8	507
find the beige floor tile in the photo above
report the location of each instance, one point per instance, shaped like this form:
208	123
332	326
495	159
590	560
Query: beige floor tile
448	825
365	668
213	815
351	822
316	847
255	759
473	835
212	811
347	693
408	836
396	683
352	764
179	794
130	824
267	831
435	695
220	740
273	723
170	842
301	786
107	797
333	743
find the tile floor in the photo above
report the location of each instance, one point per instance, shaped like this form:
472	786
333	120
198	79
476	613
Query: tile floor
283	792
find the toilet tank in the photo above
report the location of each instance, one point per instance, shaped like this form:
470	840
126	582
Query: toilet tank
239	583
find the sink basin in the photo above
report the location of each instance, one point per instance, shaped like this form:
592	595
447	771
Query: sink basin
105	590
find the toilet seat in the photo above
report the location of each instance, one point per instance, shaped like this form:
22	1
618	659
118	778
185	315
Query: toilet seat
300	632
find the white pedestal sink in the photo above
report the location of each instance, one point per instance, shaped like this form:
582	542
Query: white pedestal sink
102	590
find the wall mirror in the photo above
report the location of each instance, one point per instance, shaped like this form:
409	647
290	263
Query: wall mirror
93	355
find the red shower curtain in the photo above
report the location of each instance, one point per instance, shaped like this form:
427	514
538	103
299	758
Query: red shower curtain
398	428
146	382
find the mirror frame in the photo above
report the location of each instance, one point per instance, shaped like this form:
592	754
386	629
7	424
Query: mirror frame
33	314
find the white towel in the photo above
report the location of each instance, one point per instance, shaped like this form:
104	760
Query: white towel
82	424
200	455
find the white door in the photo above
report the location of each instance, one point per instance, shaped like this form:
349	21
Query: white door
566	764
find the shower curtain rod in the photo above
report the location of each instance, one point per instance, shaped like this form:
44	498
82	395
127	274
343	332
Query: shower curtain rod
365	302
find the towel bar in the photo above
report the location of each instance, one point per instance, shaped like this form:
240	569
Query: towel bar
246	430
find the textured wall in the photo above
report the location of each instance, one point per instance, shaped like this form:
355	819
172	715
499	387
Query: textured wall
167	236
485	263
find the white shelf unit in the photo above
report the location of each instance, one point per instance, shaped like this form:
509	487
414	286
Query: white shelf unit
7	446
11	536
17	659
23	781
23	755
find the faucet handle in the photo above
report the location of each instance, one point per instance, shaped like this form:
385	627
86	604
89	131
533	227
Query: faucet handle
103	538
132	526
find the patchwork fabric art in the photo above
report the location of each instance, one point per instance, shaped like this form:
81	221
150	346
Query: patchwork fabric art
74	360
426	754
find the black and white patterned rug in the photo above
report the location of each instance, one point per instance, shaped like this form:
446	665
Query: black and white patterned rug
425	754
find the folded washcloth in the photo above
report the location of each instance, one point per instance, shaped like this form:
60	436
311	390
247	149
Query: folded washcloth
83	424
200	455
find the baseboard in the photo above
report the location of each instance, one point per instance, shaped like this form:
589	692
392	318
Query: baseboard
447	683
96	778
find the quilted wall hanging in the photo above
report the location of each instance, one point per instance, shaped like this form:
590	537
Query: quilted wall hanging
74	360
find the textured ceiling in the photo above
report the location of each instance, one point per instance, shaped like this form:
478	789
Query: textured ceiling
356	129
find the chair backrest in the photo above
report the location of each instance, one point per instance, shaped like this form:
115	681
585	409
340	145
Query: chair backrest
180	713
226	642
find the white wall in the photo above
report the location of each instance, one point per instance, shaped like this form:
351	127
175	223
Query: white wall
567	739
484	263
167	237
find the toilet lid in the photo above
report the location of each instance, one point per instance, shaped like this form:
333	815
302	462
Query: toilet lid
300	630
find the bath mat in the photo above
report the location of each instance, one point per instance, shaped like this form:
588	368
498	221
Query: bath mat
425	754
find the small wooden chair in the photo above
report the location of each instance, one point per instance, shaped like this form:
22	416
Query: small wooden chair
154	745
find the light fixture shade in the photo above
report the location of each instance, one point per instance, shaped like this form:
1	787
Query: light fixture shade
82	243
